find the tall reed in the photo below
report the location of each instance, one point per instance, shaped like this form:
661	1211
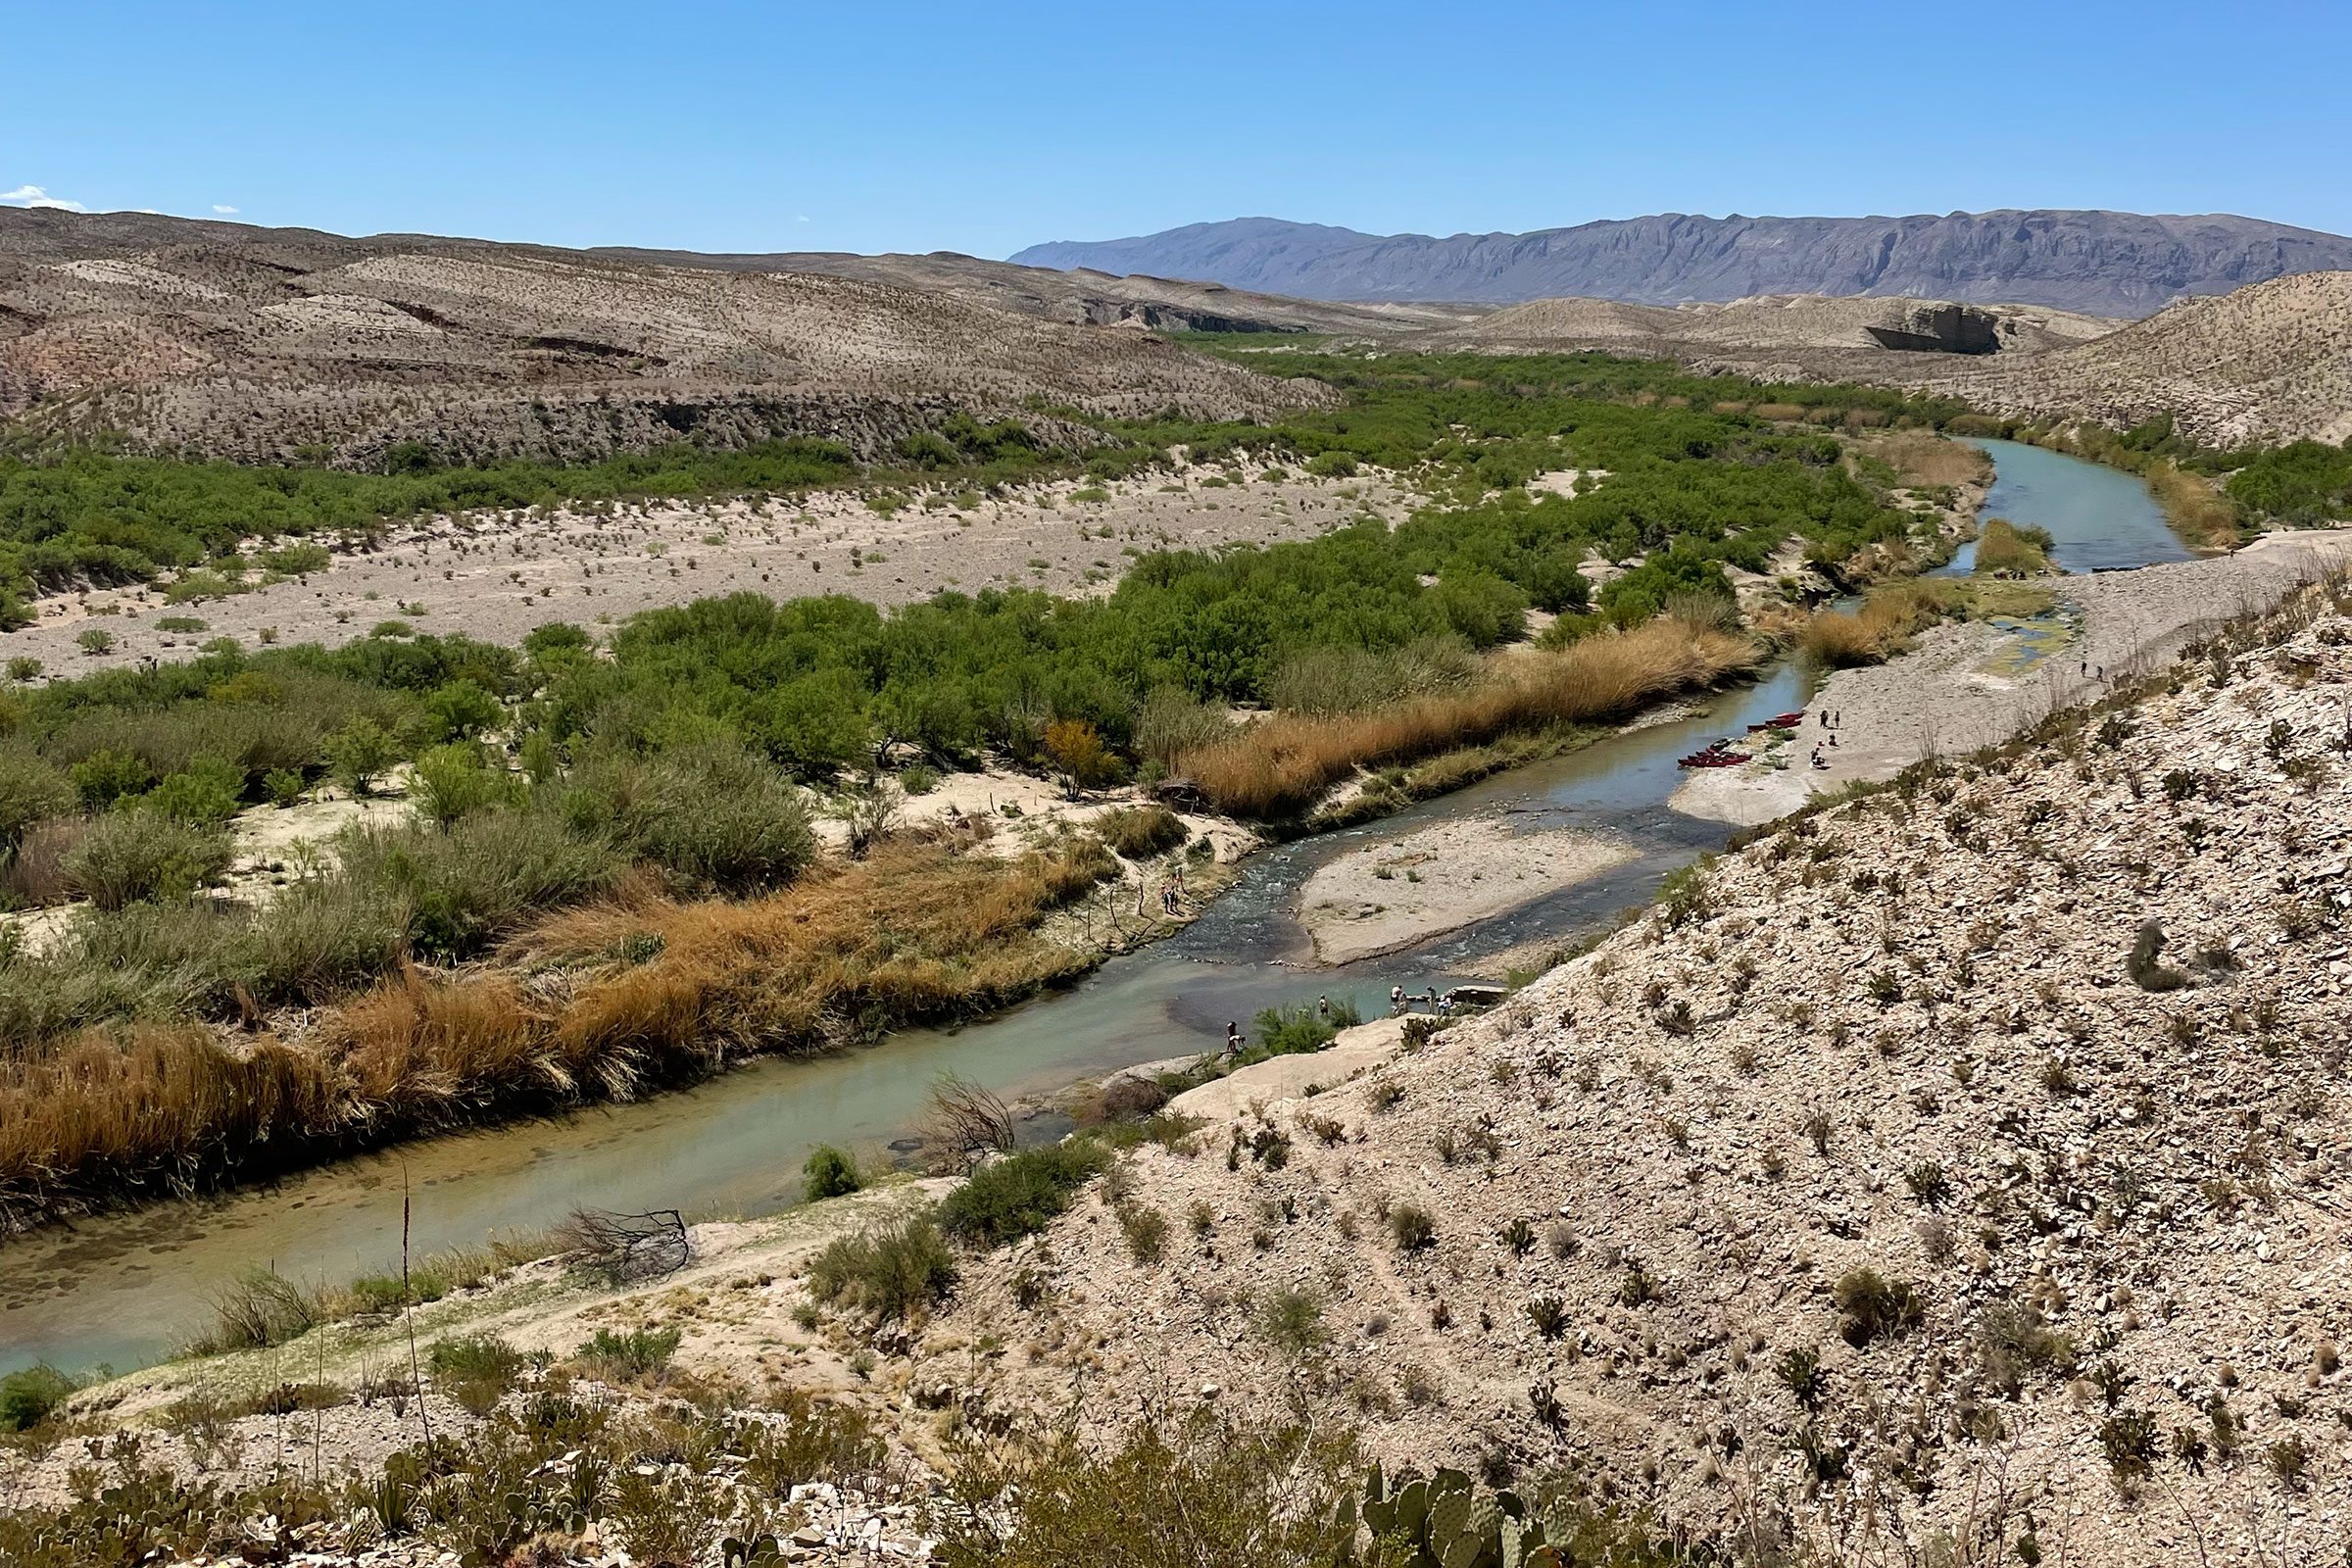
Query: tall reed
658	990
1281	766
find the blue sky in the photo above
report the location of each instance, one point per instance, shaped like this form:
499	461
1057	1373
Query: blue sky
983	127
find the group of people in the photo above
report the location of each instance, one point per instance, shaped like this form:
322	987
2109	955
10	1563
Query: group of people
1171	892
1832	720
1403	1001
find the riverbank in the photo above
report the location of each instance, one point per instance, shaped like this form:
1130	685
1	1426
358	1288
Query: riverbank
1977	683
1394	892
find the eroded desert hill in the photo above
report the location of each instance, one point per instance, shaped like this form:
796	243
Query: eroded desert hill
1863	324
2270	362
263	344
1967	1157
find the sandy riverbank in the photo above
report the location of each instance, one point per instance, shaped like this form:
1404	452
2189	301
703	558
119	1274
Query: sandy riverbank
1352	1051
1973	684
1394	892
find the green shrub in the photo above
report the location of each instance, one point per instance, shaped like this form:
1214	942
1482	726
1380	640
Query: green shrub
895	1272
30	791
829	1172
918	780
27	1395
463	888
473	1355
1297	1031
1140	831
477	1371
129	855
1204	1489
1019	1195
261	1309
713	814
206	793
1147	1230
619	1357
1873	1307
359	753
323	937
459	710
1332	466
1292	1319
1413	1228
282	785
454	780
296	560
105	776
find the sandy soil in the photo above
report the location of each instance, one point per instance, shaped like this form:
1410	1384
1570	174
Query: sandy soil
1265	1084
1395	892
275	845
497	575
1973	684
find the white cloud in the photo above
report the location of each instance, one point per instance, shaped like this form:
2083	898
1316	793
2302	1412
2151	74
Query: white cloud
35	196
225	212
800	217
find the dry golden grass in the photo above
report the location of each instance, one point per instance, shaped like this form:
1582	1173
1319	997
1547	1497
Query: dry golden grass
1281	766
660	992
1879	630
1923	460
2203	516
1896	611
2001	548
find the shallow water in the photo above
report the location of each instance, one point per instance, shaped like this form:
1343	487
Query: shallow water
2099	519
128	1289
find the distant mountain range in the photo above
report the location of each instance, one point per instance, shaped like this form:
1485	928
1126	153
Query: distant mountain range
2099	263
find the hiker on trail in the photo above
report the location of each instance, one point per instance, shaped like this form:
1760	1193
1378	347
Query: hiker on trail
1395	998
1232	1039
1323	1009
1445	1006
1825	718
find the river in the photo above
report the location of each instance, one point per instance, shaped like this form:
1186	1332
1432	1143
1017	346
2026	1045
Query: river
124	1290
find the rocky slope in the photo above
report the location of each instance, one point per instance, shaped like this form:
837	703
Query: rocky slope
1781	322
2098	263
258	344
1086	298
2270	362
1970	1157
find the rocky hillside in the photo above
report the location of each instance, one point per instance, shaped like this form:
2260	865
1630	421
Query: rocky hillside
2268	363
1968	1157
2098	263
1084	298
1783	322
263	344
